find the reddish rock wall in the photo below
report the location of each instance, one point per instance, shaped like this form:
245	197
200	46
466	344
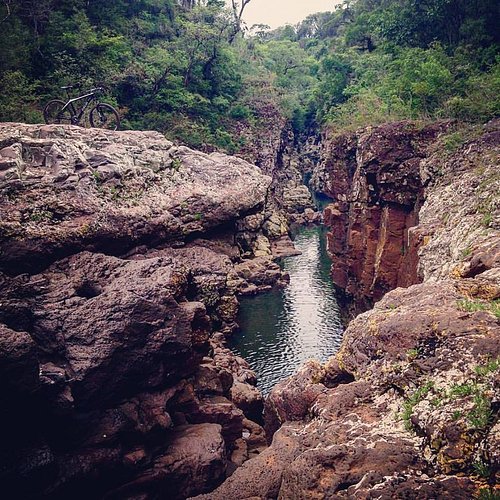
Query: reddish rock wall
374	179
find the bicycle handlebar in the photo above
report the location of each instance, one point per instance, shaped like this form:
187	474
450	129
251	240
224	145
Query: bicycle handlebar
91	91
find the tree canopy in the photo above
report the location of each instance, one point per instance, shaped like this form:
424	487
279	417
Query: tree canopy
184	67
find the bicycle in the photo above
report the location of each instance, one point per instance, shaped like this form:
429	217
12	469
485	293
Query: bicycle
102	115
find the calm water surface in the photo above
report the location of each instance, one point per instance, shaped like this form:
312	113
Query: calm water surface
282	329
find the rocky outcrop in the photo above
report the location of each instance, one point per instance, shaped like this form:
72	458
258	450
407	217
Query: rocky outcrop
408	408
416	422
460	219
67	189
115	380
374	179
270	142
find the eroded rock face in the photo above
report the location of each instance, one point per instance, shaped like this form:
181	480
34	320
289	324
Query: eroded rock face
406	209
374	179
115	381
460	219
66	189
271	143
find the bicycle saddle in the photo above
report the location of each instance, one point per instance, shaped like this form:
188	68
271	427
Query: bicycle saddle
67	87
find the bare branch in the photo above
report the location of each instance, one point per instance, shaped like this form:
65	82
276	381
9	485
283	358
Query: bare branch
244	3
238	10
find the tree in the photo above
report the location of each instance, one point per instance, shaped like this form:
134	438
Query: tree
238	11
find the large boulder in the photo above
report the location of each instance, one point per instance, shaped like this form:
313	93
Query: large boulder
66	188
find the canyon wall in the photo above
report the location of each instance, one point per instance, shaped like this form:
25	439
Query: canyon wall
271	143
409	406
373	177
121	263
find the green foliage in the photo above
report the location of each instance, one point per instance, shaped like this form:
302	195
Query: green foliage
18	101
462	390
97	177
490	367
481	414
453	141
480	417
478	413
403	59
488	494
481	469
476	305
176	164
466	252
412	354
181	70
412	401
169	68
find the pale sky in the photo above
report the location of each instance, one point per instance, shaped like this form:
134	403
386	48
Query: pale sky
279	12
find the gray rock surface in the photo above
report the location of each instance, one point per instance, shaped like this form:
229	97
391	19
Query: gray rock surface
68	187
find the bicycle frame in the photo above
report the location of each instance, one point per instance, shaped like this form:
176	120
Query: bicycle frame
76	117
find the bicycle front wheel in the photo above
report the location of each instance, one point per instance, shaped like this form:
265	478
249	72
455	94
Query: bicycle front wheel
104	116
54	112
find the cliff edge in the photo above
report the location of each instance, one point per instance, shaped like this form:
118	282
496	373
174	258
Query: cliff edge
121	263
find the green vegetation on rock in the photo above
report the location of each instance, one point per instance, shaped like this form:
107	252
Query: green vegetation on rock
413	399
479	305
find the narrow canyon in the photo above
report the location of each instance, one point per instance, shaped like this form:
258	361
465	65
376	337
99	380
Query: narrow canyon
123	261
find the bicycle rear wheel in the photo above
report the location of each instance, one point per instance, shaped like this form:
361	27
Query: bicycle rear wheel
104	116
54	112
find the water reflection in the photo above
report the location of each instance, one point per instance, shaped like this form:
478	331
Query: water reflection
282	329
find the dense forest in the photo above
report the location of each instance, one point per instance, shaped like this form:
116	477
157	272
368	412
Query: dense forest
193	70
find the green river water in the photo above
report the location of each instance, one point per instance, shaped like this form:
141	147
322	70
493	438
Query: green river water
283	328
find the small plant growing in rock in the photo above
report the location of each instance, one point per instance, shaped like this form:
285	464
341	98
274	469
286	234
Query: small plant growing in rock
97	177
462	390
466	252
198	217
490	367
495	307
481	415
487	220
41	215
488	494
476	305
481	469
412	354
176	164
412	401
452	142
115	193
